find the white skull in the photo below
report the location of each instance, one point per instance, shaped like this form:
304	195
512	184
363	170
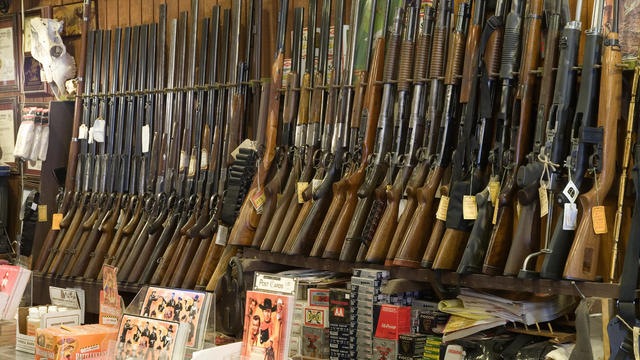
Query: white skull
47	48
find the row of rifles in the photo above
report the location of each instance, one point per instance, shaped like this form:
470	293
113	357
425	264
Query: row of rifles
154	145
462	143
436	137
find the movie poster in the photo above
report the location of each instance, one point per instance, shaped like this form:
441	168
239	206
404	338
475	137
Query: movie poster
267	324
144	338
177	305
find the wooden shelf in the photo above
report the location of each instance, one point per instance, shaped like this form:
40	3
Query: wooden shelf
476	281
41	283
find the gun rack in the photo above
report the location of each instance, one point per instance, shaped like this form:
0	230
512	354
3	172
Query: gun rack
476	281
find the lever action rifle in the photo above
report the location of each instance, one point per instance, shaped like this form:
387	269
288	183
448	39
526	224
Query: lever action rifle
345	127
384	140
288	139
296	212
287	204
413	245
72	218
388	222
457	231
363	132
584	137
416	125
513	118
248	218
467	111
71	197
338	116
585	257
555	151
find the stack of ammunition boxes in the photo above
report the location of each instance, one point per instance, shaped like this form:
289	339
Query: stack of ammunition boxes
340	325
432	348
366	291
411	346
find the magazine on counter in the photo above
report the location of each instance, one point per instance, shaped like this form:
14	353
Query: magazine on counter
141	337
267	326
13	282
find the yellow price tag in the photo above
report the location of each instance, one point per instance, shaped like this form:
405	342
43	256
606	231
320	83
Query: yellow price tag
494	190
469	207
55	221
494	219
599	219
441	214
302	186
42	213
544	201
258	200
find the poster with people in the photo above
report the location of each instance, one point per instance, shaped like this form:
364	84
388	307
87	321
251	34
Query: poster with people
267	326
145	338
184	306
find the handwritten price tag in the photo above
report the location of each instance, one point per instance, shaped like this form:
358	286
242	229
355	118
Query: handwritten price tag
55	221
441	214
302	186
494	190
469	207
544	201
599	220
258	200
42	213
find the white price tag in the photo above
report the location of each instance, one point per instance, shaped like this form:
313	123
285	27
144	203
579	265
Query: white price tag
98	130
83	131
570	218
145	138
90	140
222	235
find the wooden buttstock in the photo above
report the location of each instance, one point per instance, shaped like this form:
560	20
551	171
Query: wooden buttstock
68	217
295	229
104	222
186	259
502	232
526	239
168	254
434	244
133	256
62	258
68	262
310	226
414	243
143	257
271	191
584	256
175	259
450	251
193	271
129	243
117	238
330	219
57	254
379	246
277	236
246	223
341	226
48	242
221	267
213	255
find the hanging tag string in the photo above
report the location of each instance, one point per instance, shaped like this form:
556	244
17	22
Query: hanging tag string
595	183
547	164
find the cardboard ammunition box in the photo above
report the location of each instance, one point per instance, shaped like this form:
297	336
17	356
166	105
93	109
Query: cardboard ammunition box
75	342
27	343
384	349
371	273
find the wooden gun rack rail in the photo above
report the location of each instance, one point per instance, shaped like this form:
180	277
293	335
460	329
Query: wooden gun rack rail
450	279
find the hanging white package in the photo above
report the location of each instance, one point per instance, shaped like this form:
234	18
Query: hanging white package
24	139
44	140
37	135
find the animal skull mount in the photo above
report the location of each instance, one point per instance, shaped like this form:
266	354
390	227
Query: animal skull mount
48	49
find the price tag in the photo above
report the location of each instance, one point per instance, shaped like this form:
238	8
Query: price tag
469	207
42	213
315	184
494	190
90	139
599	220
301	187
494	219
544	201
98	130
145	138
443	206
192	165
221	235
55	221
518	208
83	131
570	217
258	200
204	159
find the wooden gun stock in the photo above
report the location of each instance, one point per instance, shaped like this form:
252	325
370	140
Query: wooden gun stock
295	229
49	253
414	243
107	229
473	255
213	255
434	240
497	249
248	218
193	272
221	267
271	192
57	254
417	179
189	249
170	253
585	257
528	237
330	219
168	230
51	240
127	247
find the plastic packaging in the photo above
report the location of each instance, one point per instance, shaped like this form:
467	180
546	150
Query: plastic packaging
33	321
44	140
37	136
24	139
52	309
